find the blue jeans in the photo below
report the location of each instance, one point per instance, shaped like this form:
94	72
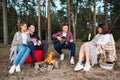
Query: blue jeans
71	46
23	52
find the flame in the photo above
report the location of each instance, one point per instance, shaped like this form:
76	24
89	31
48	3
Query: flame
52	62
49	59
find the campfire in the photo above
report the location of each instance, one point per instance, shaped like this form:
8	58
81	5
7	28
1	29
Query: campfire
49	60
48	64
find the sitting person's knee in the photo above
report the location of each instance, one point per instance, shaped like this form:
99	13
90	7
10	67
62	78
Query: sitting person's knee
72	44
30	43
28	49
45	42
56	46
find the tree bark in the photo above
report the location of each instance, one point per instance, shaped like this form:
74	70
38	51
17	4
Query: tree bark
26	10
44	12
69	16
105	11
39	28
49	23
5	28
94	17
74	20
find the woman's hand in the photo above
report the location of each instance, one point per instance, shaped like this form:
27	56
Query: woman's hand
17	42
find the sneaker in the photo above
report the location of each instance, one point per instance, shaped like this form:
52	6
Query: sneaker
87	67
62	57
78	67
72	60
12	69
18	68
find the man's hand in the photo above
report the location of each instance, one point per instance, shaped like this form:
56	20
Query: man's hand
71	40
39	43
59	38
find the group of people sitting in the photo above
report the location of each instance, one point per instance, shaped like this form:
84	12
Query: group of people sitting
25	42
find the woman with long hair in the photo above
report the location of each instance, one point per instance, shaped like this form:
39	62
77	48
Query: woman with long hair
89	49
20	40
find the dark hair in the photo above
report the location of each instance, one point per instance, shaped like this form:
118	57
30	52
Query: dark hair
28	25
21	24
65	24
104	28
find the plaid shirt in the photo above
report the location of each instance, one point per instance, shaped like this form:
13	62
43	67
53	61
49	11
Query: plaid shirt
69	35
109	47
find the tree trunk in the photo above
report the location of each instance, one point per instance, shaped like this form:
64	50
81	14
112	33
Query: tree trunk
94	17
105	11
39	28
44	12
49	23
26	10
5	28
114	23
69	16
75	20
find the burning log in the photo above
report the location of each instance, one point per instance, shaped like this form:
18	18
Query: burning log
48	64
49	59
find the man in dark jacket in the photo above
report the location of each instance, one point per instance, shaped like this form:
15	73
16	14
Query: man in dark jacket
36	44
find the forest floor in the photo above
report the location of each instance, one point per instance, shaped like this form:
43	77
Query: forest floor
65	72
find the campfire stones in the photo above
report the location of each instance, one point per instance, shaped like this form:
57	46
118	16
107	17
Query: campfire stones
43	67
50	67
37	65
56	66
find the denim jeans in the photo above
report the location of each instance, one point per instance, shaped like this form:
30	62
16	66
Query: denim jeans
71	46
43	46
32	48
23	52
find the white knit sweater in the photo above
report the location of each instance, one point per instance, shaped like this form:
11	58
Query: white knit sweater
101	39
